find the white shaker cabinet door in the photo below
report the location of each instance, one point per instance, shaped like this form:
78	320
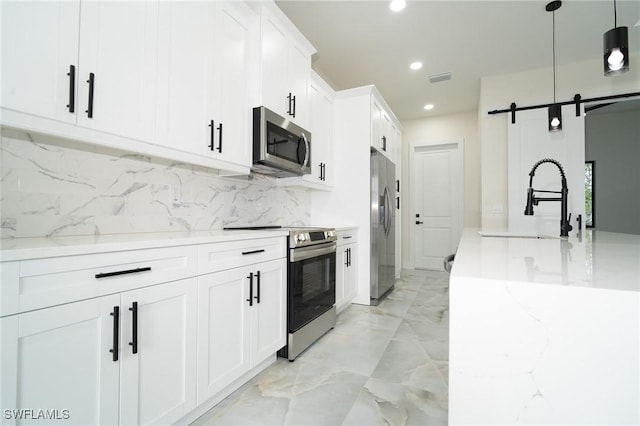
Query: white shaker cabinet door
269	309
118	60
203	79
299	78
275	57
59	358
351	274
223	330
39	47
186	76
233	72
159	379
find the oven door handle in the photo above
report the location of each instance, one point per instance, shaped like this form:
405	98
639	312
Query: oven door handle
307	253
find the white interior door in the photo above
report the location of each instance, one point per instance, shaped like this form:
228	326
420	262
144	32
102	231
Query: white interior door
531	141
436	212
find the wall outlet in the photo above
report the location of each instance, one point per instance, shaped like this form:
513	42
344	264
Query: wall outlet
497	208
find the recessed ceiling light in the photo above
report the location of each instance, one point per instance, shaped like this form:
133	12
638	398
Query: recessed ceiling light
416	65
397	5
428	107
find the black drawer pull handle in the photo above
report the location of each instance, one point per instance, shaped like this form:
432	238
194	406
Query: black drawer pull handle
116	327
128	271
72	88
347	237
290	110
250	299
219	138
92	83
244	253
398	203
134	327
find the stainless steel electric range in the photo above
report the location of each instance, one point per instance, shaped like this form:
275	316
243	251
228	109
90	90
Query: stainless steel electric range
311	285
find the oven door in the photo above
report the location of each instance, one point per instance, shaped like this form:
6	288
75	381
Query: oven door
311	283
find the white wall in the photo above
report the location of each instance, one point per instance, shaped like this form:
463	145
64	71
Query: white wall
432	130
54	187
532	88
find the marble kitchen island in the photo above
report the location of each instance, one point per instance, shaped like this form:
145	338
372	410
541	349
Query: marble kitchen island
545	330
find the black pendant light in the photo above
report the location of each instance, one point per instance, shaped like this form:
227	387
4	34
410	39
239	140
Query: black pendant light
555	110
616	48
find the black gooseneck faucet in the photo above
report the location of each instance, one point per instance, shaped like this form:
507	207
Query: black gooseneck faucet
532	200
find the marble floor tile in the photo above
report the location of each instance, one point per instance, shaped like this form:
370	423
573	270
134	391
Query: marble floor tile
380	365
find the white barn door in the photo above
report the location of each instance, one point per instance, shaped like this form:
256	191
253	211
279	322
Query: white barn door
529	142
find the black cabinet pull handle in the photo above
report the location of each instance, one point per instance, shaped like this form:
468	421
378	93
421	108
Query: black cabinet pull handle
398	203
398	185
384	143
347	237
219	138
289	110
258	286
213	130
346	255
134	328
72	88
244	253
128	271
250	299
92	82
116	327
418	222
294	107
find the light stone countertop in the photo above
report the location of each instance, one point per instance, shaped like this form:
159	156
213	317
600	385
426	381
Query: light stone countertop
34	248
601	260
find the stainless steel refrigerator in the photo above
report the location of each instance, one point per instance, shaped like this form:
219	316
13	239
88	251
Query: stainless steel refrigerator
383	232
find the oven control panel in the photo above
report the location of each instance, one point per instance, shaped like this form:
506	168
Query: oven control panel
309	237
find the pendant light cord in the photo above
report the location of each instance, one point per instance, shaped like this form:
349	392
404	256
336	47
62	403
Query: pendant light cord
554	56
615	15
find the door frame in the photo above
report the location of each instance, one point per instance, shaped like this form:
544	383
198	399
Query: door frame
458	142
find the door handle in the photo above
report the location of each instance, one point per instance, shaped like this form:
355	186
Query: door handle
250	299
72	88
213	132
116	335
219	138
92	82
258	287
418	222
134	327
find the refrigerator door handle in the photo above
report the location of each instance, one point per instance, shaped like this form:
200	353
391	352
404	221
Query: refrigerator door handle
387	209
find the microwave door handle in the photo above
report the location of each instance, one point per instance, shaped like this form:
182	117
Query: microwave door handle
306	152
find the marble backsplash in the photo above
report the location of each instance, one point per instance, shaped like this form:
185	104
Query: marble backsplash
53	187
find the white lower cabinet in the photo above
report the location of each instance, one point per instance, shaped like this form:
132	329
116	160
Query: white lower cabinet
241	322
158	383
137	337
58	359
346	268
78	358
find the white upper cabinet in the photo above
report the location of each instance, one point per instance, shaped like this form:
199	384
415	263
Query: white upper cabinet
39	48
383	136
93	64
321	127
204	77
285	66
321	97
118	68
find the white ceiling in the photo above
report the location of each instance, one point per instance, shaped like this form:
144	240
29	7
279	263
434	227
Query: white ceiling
363	42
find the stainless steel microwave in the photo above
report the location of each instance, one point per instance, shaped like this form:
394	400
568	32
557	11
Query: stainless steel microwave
280	148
